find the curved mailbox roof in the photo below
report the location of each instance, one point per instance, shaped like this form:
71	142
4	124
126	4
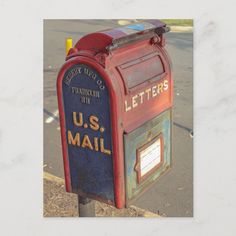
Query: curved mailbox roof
113	38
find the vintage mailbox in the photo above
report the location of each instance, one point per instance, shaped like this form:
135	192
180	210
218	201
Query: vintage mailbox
115	96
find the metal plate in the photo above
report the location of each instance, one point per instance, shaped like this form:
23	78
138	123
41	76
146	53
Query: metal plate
153	132
88	132
149	157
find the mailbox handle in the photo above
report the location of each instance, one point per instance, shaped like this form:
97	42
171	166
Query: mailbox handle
162	30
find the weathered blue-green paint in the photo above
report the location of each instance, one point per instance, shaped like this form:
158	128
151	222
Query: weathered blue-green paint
136	139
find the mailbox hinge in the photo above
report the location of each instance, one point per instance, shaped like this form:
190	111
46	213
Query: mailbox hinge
129	39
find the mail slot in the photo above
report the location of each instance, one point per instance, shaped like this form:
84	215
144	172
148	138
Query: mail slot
115	97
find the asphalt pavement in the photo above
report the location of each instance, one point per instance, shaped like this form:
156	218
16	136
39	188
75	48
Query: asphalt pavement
172	194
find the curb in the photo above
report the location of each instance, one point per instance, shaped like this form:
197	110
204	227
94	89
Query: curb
180	29
53	178
145	213
140	212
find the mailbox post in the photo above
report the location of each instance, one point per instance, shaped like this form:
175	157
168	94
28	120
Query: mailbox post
86	207
115	98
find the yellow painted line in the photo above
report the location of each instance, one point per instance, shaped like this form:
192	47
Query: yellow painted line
144	212
61	181
149	214
181	28
126	22
53	178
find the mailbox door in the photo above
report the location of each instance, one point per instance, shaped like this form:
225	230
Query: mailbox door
86	107
147	154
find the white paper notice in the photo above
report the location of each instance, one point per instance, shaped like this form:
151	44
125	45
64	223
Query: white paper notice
150	157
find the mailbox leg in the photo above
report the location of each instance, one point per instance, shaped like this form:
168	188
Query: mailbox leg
86	207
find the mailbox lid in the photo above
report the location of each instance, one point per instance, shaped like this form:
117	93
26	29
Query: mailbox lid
146	79
144	69
113	38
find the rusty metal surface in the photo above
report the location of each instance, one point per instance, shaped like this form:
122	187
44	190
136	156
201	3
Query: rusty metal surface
146	68
136	139
117	43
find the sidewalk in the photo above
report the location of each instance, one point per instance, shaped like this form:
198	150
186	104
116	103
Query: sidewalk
58	203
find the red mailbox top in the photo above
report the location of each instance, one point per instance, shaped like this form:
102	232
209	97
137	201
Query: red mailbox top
135	58
137	72
112	38
106	40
